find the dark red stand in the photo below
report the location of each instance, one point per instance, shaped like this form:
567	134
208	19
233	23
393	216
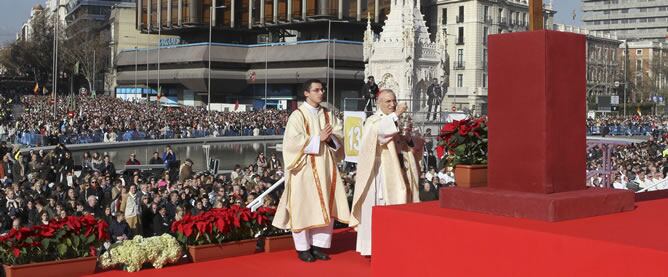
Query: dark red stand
537	139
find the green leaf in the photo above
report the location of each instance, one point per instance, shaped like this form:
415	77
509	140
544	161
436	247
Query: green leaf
45	243
62	249
76	241
90	239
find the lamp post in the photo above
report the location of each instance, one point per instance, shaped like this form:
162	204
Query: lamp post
212	9
329	41
55	57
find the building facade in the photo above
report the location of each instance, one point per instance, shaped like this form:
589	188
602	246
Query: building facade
89	16
603	63
468	24
628	19
646	69
123	36
26	29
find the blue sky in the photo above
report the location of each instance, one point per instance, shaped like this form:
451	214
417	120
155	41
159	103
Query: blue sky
565	11
14	12
12	15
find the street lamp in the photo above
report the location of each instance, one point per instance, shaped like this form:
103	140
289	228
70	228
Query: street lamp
208	103
329	40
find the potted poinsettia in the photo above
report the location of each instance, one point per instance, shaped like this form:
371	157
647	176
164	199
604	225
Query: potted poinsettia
220	233
463	145
66	247
275	239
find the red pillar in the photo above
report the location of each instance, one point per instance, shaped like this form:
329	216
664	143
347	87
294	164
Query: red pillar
537	138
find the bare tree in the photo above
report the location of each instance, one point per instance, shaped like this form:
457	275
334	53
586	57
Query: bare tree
33	57
89	54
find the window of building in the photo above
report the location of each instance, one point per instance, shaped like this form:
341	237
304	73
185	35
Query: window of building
625	21
444	16
460	17
460	80
485	14
484	80
484	58
625	10
638	65
485	33
642	20
460	57
500	16
460	37
639	52
614	21
643	10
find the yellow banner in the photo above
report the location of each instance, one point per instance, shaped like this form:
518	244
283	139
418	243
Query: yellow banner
353	124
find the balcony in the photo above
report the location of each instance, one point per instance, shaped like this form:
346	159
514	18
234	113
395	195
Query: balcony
488	20
458	65
460	41
503	21
460	19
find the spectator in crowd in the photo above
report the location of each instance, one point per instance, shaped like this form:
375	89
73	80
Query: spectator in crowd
119	229
369	93
434	99
161	222
131	209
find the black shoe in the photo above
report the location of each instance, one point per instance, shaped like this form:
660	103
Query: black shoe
318	254
306	256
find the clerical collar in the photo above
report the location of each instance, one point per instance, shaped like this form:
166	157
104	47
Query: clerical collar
311	108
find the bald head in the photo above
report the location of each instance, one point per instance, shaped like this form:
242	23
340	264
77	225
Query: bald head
387	101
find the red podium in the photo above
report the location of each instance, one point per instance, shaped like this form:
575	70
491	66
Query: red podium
537	139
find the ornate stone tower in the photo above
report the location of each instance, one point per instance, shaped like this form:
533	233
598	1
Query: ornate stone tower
403	57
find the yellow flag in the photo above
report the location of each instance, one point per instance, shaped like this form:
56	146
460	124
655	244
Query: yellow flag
638	111
36	89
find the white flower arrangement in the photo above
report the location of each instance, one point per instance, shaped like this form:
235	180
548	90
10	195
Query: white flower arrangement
158	251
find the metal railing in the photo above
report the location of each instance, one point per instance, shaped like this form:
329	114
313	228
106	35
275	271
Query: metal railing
258	201
36	139
662	182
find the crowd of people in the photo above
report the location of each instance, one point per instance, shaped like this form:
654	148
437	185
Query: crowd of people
634	166
39	186
108	119
634	125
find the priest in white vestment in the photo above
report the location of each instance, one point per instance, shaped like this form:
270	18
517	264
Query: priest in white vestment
314	196
388	167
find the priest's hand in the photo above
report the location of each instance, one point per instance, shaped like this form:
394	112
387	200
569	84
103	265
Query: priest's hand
326	133
401	108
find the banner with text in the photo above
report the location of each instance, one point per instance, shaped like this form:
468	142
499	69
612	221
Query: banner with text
353	124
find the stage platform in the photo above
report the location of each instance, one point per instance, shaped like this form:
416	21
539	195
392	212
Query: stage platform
345	262
426	240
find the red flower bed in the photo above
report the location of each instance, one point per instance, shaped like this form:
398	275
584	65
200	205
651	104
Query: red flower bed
222	225
73	237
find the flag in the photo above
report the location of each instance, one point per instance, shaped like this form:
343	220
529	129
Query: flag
36	89
638	111
236	104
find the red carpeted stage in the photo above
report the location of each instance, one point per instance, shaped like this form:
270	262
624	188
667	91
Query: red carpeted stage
425	240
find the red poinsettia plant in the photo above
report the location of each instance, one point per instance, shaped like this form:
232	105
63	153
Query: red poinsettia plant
69	238
464	142
222	225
